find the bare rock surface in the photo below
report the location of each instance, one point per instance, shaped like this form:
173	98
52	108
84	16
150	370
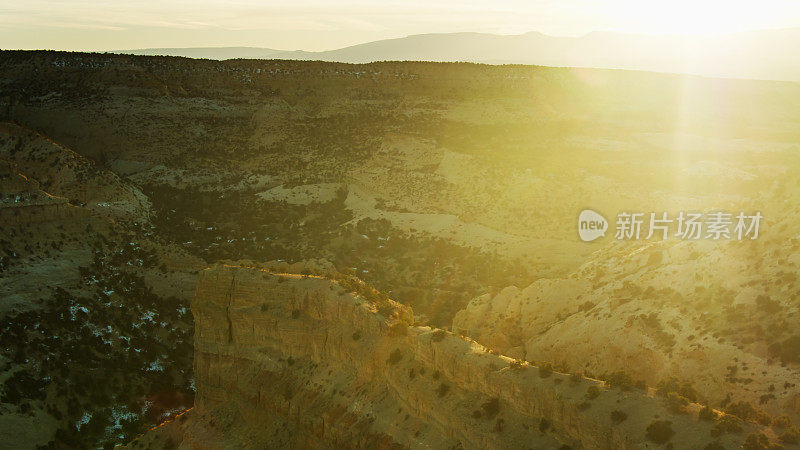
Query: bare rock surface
295	361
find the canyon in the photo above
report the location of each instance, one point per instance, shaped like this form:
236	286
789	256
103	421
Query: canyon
440	200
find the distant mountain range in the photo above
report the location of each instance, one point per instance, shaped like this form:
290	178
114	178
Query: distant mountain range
768	54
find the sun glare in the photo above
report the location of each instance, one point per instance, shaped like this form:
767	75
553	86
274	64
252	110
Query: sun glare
699	17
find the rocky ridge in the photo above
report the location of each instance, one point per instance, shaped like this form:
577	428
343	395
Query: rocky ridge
296	361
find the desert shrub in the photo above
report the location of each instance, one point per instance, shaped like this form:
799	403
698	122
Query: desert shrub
714	445
442	390
765	398
791	435
675	403
782	422
395	356
23	385
356	335
620	380
544	425
660	431
746	411
438	335
672	384
584	405
707	414
491	407
756	441
592	392
618	416
727	424
545	370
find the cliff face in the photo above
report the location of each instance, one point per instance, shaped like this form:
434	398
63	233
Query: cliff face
288	361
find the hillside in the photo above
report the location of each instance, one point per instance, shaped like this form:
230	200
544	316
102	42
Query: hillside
83	289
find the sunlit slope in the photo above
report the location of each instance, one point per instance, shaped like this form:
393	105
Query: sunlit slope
720	315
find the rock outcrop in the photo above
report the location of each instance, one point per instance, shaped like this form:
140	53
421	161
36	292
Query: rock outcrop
22	201
293	361
60	172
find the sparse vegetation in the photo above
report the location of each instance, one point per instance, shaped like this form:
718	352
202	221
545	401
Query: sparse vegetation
791	435
746	411
673	385
618	416
675	403
490	408
395	356
660	431
544	425
726	424
620	380
756	441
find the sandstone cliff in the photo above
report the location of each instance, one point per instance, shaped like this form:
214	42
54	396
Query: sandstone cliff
290	361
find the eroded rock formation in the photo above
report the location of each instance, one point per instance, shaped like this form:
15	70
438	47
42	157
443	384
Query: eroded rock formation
292	361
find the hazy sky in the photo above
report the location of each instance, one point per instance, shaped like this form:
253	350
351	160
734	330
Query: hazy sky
322	25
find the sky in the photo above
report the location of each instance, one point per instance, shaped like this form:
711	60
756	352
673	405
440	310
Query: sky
316	25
